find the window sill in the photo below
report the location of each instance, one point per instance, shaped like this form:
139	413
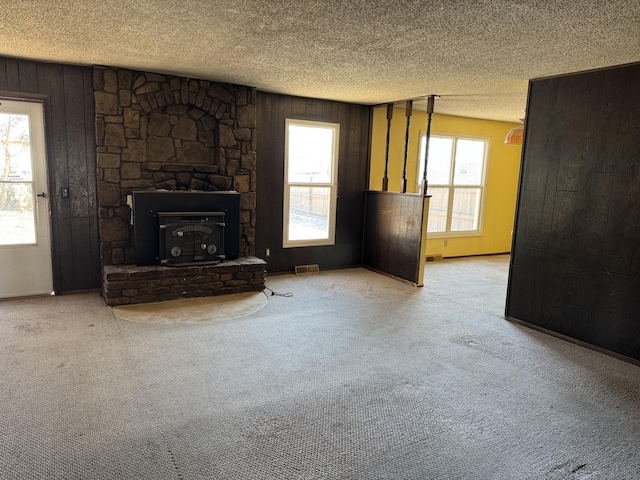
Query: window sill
309	243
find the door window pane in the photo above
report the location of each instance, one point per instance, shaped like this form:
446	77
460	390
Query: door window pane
465	210
15	151
438	209
17	219
16	214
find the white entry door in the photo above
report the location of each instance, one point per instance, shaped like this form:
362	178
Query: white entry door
25	241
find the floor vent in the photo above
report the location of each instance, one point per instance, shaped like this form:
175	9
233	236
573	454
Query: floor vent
306	269
434	258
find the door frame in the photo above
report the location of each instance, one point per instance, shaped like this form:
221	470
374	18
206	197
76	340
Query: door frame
45	102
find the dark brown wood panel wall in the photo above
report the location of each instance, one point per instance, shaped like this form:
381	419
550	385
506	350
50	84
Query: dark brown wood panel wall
67	94
393	229
354	120
576	254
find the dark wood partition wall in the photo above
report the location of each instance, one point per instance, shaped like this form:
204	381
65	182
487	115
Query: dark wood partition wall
354	120
67	92
576	253
394	234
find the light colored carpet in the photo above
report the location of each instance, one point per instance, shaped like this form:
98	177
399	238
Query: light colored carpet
194	310
356	376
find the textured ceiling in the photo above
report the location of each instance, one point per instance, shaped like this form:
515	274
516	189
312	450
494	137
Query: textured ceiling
478	54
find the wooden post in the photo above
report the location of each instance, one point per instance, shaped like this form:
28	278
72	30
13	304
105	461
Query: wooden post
430	105
403	183
385	179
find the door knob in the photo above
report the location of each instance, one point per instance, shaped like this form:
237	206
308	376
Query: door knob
42	195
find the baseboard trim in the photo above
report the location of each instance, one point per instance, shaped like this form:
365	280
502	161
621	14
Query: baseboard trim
575	341
477	255
78	292
25	297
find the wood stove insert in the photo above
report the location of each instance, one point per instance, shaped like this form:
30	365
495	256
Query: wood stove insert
191	238
152	208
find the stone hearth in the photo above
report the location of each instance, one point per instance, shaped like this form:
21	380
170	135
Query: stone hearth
127	284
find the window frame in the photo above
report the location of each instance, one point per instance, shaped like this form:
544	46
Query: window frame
28	109
448	233
332	186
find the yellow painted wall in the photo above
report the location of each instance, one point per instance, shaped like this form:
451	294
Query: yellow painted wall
501	181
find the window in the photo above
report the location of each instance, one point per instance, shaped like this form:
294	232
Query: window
310	183
17	182
455	177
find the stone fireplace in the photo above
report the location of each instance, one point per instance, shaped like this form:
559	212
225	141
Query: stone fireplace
161	132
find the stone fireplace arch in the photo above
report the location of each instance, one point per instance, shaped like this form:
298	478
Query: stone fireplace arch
161	132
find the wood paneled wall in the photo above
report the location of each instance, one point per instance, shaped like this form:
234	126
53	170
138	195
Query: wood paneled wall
576	253
67	93
394	232
354	120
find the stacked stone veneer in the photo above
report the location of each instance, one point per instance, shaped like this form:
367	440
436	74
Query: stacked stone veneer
165	132
125	285
161	132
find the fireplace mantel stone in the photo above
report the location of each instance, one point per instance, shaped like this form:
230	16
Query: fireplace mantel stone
162	132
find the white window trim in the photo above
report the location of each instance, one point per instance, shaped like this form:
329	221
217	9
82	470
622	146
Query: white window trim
333	187
451	187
